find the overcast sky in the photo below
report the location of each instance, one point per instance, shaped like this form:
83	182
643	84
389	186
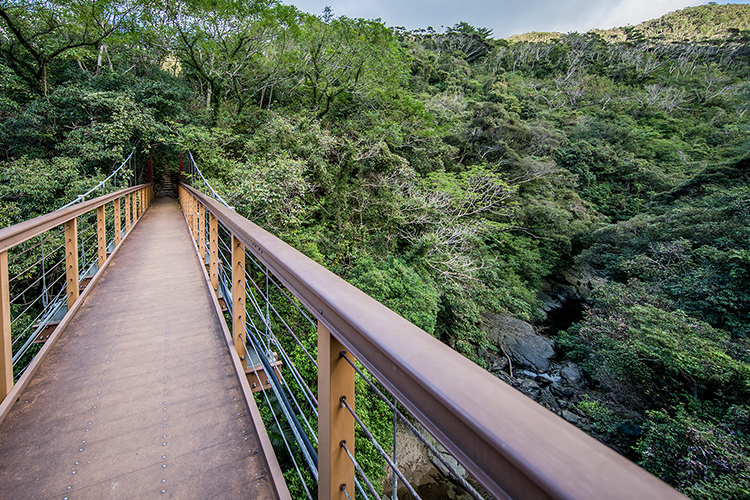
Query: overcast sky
505	17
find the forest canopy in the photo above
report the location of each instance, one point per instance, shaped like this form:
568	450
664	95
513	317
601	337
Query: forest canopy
449	174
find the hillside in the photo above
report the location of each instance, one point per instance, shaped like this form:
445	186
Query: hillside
454	177
711	22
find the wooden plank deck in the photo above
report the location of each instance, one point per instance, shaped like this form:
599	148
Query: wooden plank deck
139	397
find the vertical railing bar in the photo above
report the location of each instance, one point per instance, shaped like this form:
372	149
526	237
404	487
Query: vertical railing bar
6	351
71	254
117	213
101	233
214	262
45	296
335	380
238	295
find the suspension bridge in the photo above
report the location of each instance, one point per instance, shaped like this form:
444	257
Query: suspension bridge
153	347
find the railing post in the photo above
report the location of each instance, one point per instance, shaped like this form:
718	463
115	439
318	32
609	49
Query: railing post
335	424
71	260
133	206
118	228
213	236
194	218
189	211
6	346
202	232
238	296
101	236
127	213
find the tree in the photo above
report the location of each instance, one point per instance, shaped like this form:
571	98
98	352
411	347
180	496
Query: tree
341	58
36	34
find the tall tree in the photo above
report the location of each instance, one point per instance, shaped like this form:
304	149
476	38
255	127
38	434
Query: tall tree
36	34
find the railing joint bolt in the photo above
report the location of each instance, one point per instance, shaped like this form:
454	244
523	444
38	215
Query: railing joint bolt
342	487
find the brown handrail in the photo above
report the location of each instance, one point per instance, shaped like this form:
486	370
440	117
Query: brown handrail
23	231
513	446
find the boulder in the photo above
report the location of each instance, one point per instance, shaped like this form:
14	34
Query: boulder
427	475
570	416
520	341
548	303
571	373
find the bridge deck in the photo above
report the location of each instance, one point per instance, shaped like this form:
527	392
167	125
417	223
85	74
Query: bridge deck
139	397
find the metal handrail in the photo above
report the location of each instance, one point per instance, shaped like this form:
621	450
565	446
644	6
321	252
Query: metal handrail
23	231
514	447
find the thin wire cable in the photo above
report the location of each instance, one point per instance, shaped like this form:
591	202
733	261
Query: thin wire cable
377	445
290	419
346	492
281	433
300	380
27	250
295	372
342	444
470	489
35	263
257	265
30	304
34	301
57	304
21	294
213	191
312	433
291	332
82	197
294	398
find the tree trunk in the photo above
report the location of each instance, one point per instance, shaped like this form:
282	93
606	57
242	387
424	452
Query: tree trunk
99	60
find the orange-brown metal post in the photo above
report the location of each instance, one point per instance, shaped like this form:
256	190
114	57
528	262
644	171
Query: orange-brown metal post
118	222
101	236
335	424
6	346
238	296
194	218
132	209
202	231
71	261
213	241
127	213
189	211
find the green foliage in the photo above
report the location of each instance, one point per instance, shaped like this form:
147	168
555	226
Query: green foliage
47	185
399	288
705	459
603	419
692	250
446	174
660	356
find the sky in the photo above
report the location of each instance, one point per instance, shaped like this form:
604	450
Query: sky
504	17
